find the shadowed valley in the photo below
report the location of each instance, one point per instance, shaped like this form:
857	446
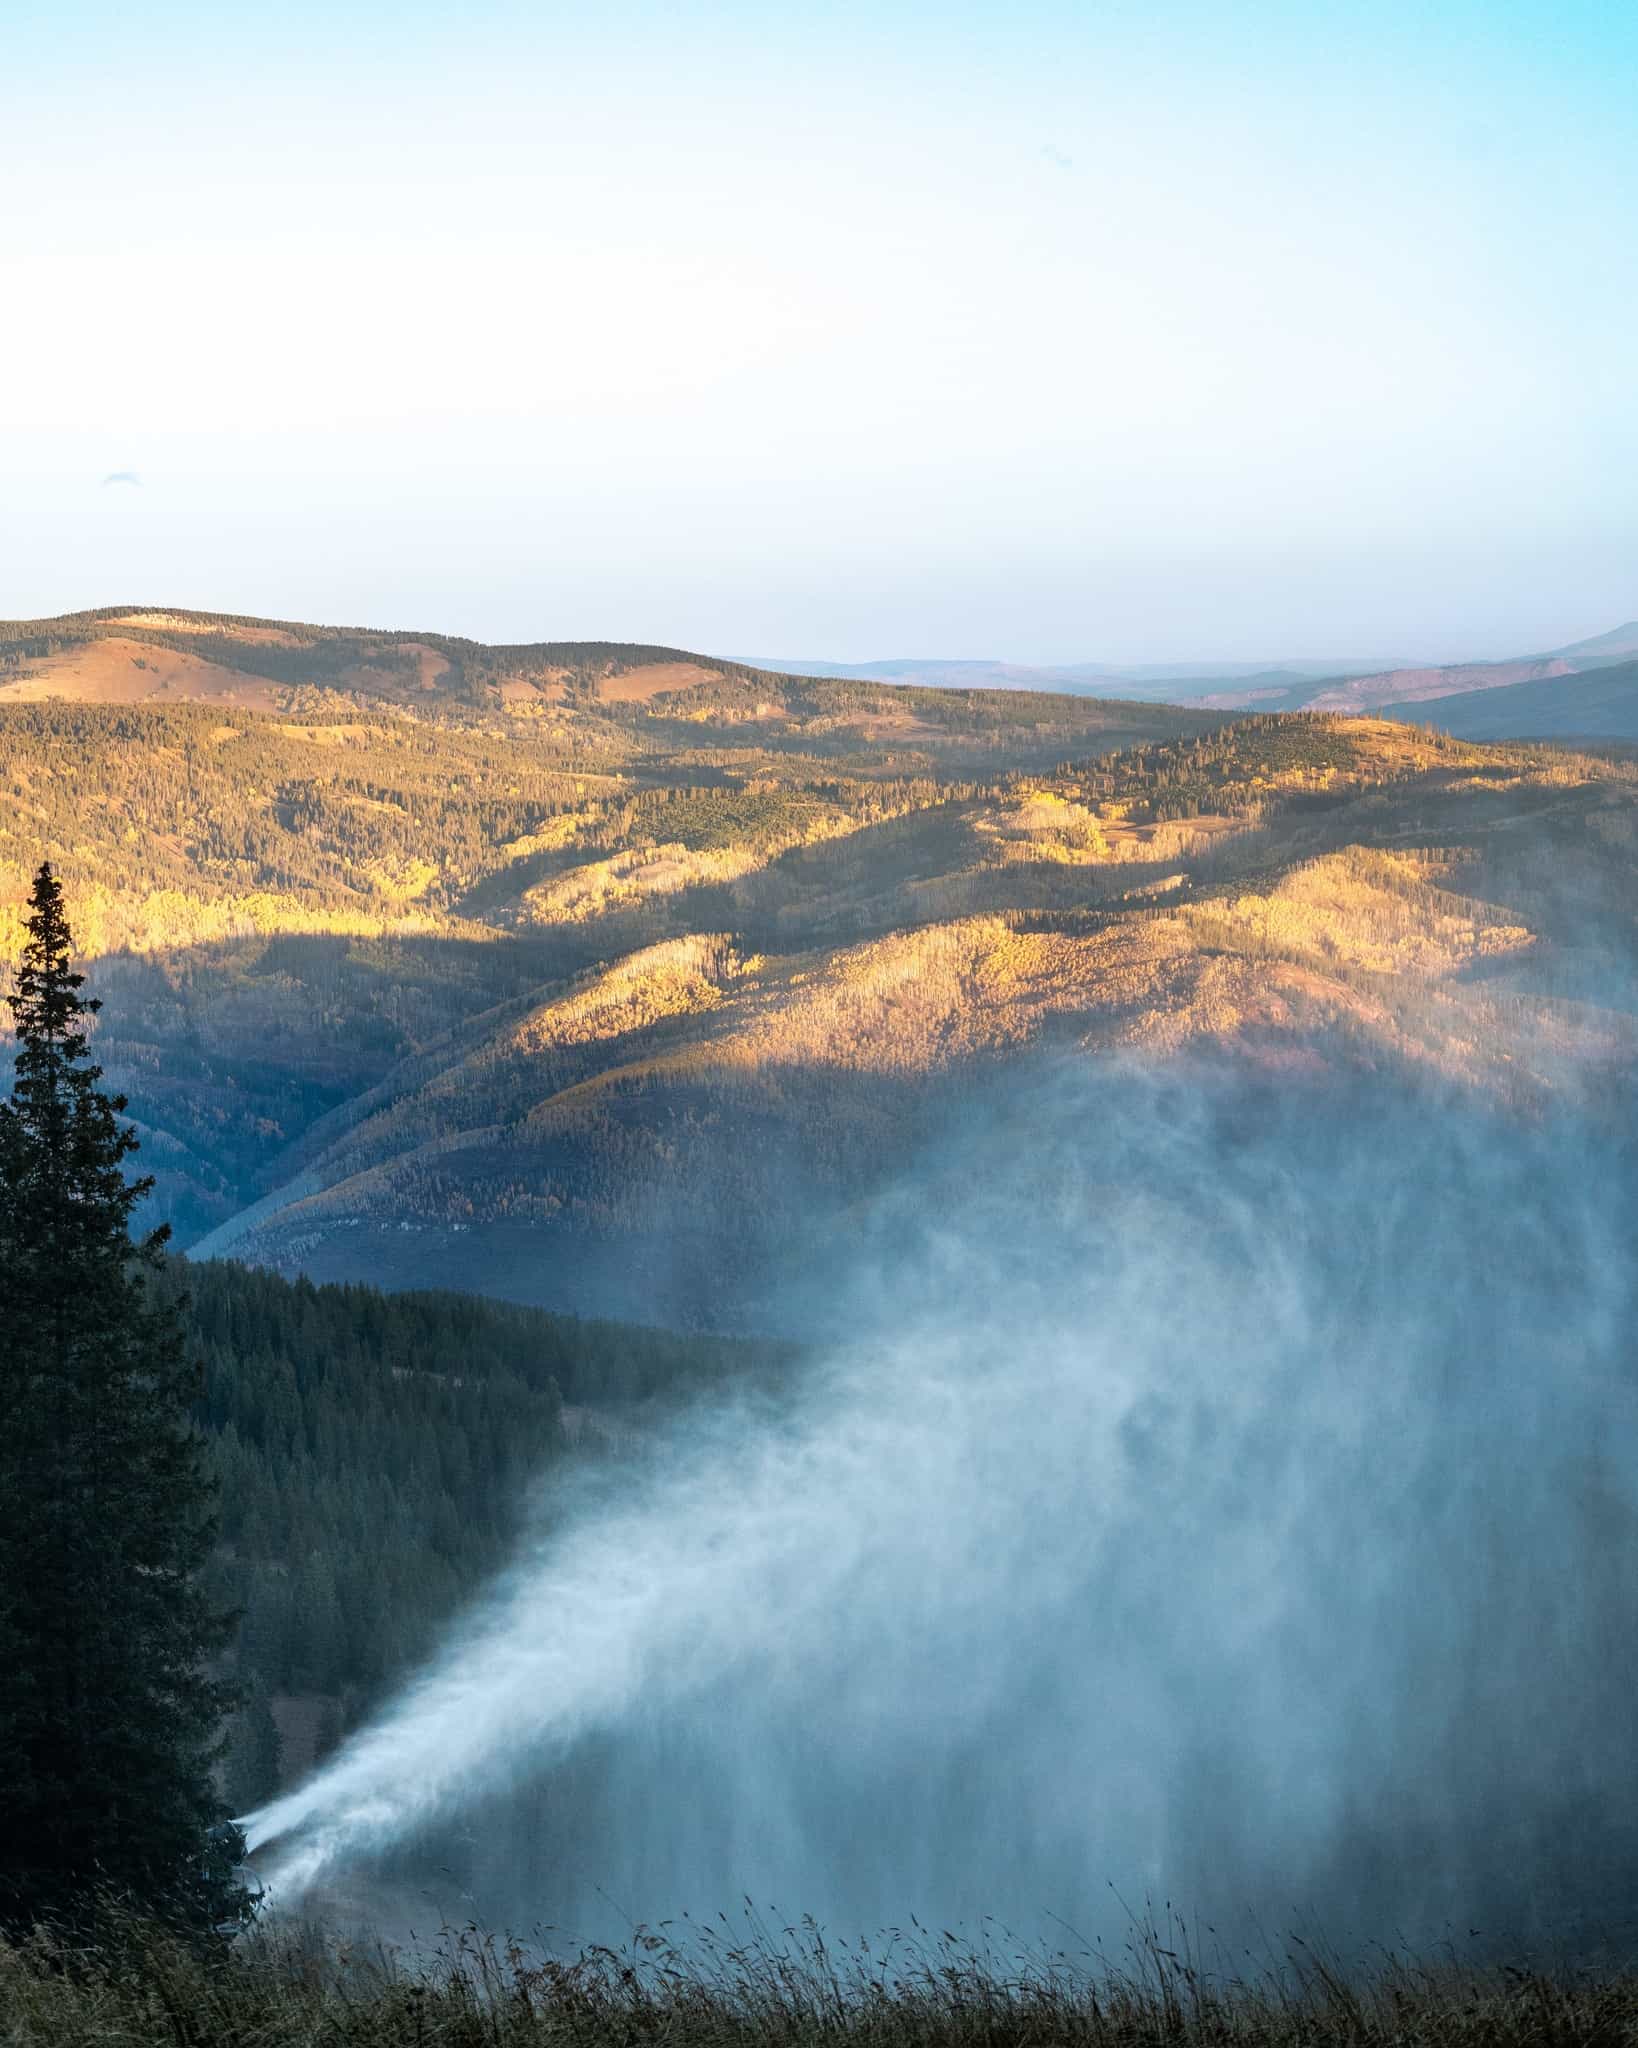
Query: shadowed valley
599	977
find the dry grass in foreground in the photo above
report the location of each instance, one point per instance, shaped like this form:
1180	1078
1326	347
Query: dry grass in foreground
290	1990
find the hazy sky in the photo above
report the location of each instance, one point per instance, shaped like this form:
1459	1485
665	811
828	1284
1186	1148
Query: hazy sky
1145	331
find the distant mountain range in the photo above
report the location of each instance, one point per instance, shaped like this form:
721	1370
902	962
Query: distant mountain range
1310	684
1151	682
1387	687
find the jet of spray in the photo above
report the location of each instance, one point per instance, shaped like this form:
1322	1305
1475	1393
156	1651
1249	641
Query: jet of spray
1218	1495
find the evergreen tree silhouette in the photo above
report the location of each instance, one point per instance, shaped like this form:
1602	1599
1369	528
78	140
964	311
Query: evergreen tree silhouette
109	1717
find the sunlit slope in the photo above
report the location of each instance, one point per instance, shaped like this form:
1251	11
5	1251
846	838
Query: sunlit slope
603	1014
698	1077
286	907
592	693
132	654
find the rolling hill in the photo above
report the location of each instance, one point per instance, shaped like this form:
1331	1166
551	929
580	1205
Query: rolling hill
1599	704
1383	688
612	978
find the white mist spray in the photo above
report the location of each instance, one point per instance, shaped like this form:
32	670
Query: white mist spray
1212	1505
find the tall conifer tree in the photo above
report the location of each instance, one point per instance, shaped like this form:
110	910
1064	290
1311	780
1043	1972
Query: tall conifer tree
108	1717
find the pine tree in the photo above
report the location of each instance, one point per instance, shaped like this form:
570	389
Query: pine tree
328	1731
255	1754
109	1718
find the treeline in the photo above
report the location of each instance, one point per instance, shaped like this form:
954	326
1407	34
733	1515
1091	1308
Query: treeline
999	727
178	826
327	656
190	799
284	912
1265	760
810	716
375	1453
369	813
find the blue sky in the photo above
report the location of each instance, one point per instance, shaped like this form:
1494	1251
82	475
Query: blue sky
1048	332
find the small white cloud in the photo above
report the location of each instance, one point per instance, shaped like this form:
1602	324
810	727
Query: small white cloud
1056	157
122	476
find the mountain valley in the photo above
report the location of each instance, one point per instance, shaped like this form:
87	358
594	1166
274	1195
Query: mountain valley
599	977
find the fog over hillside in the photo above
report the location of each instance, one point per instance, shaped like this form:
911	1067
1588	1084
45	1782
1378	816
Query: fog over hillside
1189	1151
1223	1493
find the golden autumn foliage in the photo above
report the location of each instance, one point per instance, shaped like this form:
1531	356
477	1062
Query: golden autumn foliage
408	958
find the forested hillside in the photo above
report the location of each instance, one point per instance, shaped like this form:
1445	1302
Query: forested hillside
378	1455
1602	705
632	693
614	978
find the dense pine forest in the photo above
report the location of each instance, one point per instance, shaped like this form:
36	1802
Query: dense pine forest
377	1455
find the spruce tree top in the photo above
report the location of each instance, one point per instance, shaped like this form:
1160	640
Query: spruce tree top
47	998
72	1144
